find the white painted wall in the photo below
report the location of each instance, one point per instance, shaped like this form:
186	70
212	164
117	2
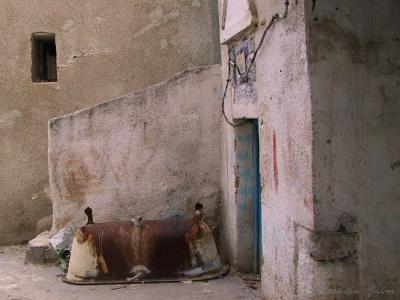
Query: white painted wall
327	80
152	153
284	113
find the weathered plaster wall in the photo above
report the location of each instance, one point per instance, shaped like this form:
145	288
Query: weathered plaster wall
285	149
327	86
354	61
283	109
152	153
105	49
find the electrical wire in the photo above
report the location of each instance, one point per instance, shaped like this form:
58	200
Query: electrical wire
228	80
275	17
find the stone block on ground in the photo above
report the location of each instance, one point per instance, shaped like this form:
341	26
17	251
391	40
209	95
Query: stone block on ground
40	251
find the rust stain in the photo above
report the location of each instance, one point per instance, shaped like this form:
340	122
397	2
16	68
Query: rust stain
83	173
80	173
147	249
81	235
145	132
276	175
76	181
196	231
121	246
307	203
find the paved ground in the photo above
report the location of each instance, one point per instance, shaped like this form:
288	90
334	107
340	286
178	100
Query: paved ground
20	281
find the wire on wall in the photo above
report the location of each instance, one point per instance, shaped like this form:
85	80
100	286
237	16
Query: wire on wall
246	71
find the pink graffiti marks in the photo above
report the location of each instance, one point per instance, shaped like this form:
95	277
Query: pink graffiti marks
276	177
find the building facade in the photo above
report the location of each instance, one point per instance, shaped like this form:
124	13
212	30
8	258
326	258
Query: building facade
102	49
299	171
321	104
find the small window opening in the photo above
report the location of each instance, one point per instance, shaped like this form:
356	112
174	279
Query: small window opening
44	57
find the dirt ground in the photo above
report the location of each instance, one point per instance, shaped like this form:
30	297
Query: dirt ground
20	281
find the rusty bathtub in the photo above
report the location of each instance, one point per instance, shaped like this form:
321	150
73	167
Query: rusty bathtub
144	251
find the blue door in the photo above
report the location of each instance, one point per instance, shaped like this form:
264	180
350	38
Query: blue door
247	197
256	198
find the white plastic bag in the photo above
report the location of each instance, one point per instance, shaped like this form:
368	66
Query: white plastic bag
62	240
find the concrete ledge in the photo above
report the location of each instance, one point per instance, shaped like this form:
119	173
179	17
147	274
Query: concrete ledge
333	246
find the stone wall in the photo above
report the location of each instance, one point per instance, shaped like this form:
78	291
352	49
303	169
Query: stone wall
104	49
152	153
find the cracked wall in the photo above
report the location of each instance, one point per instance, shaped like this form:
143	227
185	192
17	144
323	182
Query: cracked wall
104	49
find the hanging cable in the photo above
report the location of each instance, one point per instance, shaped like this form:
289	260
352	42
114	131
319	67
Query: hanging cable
228	80
246	71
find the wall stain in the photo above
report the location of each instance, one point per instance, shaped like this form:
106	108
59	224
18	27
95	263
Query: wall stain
276	175
330	39
145	132
385	114
295	260
395	165
77	179
142	168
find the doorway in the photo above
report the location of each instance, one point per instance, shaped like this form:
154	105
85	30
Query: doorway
248	196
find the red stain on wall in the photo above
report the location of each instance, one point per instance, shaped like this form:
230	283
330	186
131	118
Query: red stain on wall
276	179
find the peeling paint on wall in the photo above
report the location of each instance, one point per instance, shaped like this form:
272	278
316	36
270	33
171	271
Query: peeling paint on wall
275	162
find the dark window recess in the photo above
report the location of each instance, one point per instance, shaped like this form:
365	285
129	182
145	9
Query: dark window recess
44	57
